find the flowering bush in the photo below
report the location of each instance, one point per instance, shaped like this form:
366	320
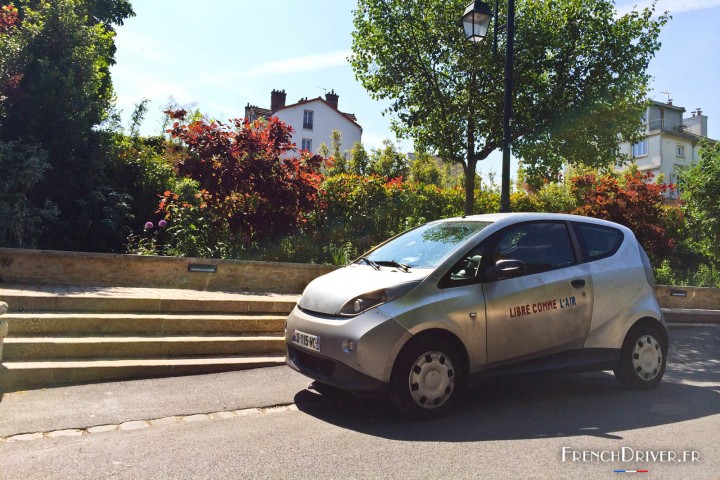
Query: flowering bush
251	186
630	199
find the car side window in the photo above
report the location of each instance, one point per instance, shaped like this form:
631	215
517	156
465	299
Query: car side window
465	271
598	241
541	246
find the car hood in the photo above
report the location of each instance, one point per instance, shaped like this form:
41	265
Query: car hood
327	294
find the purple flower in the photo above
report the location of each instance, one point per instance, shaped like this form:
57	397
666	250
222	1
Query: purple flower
148	225
162	224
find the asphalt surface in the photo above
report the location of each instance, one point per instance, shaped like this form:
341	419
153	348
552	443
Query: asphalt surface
264	424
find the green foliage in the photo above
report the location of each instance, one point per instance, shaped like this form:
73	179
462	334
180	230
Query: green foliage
359	160
388	162
426	170
368	210
339	158
22	221
580	79
58	93
701	197
9	47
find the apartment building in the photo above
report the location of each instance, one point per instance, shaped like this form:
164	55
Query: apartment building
671	140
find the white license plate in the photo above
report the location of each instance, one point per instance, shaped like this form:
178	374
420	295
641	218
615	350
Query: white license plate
306	340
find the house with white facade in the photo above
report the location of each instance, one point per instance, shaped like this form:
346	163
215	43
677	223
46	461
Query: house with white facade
671	141
312	120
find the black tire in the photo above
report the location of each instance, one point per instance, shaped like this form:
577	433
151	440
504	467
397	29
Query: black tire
426	378
643	358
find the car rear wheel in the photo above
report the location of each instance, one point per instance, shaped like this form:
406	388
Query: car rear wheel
643	358
426	378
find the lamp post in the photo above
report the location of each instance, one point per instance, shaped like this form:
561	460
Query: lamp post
476	20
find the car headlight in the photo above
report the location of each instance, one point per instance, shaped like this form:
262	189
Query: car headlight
366	301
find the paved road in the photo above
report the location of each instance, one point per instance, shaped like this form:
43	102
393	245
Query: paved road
220	426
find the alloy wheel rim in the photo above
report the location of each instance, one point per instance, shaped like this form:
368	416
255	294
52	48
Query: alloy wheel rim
432	380
647	358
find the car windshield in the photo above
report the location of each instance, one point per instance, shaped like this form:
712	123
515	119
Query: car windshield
428	245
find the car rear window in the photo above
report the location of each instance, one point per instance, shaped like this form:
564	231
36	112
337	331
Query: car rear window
598	241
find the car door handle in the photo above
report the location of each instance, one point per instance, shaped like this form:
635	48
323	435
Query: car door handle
578	283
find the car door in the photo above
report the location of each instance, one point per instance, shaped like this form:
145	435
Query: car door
538	296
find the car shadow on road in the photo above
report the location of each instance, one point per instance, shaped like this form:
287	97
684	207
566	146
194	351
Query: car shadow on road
550	405
527	407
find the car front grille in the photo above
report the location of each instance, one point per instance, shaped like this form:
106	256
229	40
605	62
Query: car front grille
310	362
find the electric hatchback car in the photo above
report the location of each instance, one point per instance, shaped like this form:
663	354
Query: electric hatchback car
423	314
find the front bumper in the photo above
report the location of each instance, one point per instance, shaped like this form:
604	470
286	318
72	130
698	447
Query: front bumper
365	368
333	372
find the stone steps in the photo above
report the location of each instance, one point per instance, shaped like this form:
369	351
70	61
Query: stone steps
44	324
28	349
71	335
31	375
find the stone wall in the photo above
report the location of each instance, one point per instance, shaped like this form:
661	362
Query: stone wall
695	298
47	267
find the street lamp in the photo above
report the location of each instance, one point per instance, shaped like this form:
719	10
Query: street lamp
476	20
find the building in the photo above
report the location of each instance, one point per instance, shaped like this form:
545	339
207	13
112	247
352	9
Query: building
312	120
671	141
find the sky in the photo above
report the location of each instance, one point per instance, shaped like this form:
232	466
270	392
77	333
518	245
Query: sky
220	55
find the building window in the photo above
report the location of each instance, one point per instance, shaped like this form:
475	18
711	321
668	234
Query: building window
640	148
680	151
308	119
307	144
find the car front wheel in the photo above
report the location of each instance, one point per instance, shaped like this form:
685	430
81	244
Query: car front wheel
426	378
643	358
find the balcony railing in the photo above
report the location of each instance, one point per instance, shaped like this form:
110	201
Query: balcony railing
666	126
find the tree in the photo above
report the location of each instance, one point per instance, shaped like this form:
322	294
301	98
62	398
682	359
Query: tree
701	196
250	184
23	167
579	76
359	159
388	161
8	47
60	94
424	169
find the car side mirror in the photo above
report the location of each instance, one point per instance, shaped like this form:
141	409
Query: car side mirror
507	269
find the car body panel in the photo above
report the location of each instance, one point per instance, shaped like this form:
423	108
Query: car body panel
551	314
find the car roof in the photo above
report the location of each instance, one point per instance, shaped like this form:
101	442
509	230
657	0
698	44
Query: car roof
515	217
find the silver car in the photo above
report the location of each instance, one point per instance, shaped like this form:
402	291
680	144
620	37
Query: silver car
425	313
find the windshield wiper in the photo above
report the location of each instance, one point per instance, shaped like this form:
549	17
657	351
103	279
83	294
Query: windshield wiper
393	263
369	262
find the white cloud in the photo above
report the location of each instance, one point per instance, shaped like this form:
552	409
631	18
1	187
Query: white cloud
673	6
307	63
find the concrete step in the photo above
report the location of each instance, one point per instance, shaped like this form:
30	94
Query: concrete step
16	376
76	348
56	299
121	304
73	324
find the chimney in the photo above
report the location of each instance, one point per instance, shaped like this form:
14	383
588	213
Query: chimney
277	100
332	99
